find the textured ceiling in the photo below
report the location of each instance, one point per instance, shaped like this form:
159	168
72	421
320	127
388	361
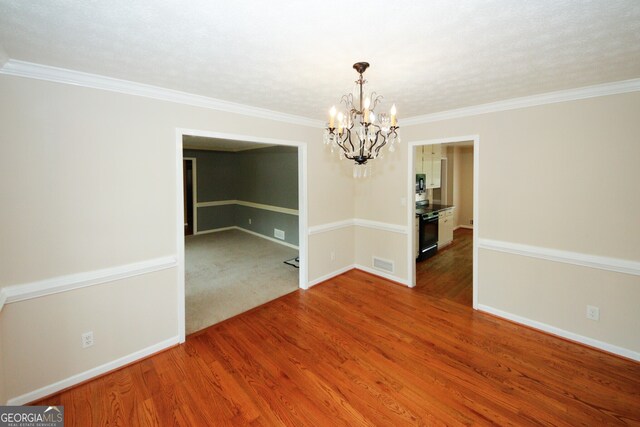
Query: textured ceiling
296	56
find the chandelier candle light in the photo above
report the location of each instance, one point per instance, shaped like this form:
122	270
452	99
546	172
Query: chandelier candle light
358	132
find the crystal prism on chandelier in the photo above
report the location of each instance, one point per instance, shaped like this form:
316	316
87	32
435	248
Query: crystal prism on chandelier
357	132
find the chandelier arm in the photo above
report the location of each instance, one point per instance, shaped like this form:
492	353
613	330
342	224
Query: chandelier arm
377	135
375	100
345	100
348	138
384	142
342	144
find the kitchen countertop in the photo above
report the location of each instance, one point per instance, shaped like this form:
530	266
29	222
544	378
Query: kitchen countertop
431	208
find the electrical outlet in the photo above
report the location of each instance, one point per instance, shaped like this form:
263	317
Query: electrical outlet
87	339
249	221
593	313
332	255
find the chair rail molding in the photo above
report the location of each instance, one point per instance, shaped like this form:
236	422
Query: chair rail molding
21	292
351	222
262	206
576	258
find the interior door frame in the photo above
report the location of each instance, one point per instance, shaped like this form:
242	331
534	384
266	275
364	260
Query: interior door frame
194	192
411	207
303	278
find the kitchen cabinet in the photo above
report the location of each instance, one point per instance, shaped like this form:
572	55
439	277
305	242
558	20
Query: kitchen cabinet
428	162
419	160
445	227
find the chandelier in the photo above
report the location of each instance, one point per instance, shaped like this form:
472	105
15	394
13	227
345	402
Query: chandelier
357	132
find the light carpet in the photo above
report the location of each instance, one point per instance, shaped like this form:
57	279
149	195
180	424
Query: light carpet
230	272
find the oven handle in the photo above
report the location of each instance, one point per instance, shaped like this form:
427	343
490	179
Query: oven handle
429	248
432	219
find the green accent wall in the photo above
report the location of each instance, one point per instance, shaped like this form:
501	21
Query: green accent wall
267	176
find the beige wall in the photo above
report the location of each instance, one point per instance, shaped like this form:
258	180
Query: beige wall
341	242
463	186
88	179
561	176
88	182
41	336
381	244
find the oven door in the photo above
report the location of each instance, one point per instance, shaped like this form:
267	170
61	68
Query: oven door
428	236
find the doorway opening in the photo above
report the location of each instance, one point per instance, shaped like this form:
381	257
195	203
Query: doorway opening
443	251
189	190
248	241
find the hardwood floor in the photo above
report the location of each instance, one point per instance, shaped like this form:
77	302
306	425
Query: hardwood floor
358	350
449	274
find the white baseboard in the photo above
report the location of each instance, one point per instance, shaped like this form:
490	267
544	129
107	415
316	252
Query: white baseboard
268	238
91	373
216	230
359	267
620	351
382	274
467	227
330	275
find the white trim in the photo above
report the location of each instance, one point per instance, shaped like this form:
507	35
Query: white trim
302	209
216	203
331	275
476	220
290	245
180	239
605	89
576	258
50	389
411	211
271	208
70	282
330	226
411	214
267	207
216	230
349	267
375	225
303	221
621	351
18	68
14	67
382	274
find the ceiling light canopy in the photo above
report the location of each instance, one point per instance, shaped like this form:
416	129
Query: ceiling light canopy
357	131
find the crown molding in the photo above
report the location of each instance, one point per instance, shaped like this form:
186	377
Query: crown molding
613	88
13	67
31	70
